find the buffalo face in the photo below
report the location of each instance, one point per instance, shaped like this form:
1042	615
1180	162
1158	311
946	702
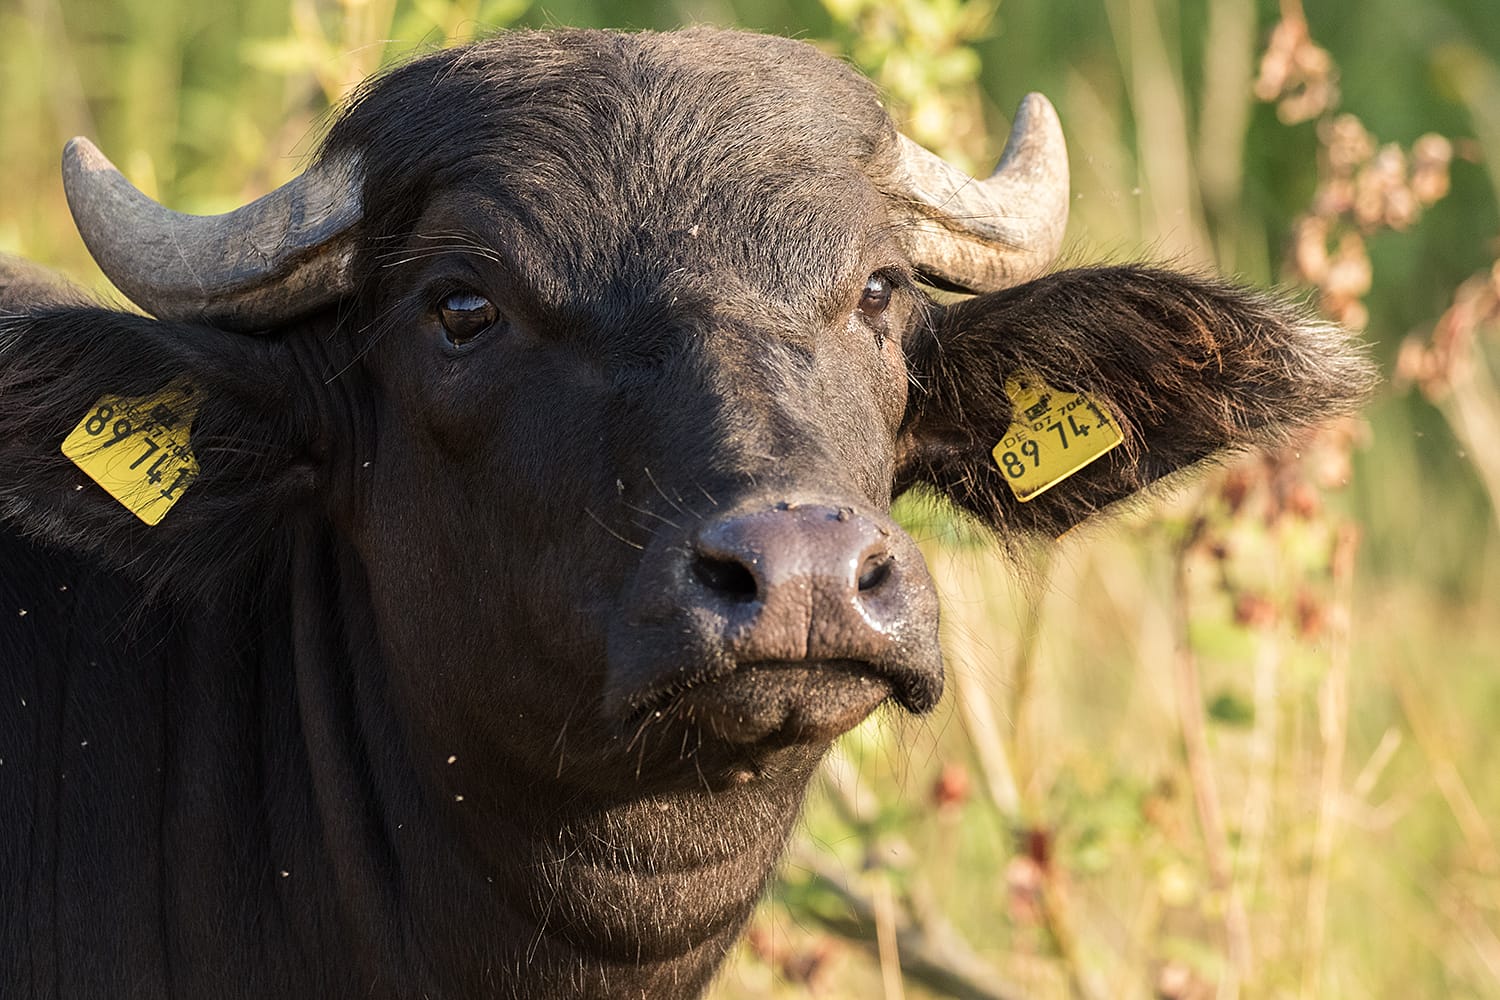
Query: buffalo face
662	466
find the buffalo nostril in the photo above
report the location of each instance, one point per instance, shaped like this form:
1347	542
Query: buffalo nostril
725	576
875	571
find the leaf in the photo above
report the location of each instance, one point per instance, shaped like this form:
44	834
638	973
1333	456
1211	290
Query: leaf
1231	710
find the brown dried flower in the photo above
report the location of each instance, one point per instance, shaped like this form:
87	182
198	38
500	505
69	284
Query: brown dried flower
1254	611
1363	187
952	788
1436	363
1297	74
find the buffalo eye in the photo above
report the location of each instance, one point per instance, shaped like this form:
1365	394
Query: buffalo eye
873	302
465	315
876	297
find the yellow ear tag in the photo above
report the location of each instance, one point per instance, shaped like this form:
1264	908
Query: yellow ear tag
1053	435
139	449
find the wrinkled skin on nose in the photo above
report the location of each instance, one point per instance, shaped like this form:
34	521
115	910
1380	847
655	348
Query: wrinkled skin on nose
786	622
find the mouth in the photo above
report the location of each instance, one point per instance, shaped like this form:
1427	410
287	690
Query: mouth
775	703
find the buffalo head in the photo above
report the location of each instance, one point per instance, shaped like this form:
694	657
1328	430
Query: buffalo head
627	354
622	354
629	328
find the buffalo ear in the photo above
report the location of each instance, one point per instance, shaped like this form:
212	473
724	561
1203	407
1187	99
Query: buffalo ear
23	283
251	435
1186	366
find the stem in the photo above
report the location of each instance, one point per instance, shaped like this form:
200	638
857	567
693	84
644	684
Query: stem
1060	924
1255	819
1445	773
885	939
931	951
1333	726
1023	668
1206	795
1476	422
980	725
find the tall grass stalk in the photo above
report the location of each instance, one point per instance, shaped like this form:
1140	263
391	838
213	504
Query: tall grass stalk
1333	727
1193	729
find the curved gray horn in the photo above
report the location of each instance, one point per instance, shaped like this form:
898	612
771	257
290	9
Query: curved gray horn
279	257
982	236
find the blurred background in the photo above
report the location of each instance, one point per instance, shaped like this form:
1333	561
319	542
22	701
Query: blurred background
1240	742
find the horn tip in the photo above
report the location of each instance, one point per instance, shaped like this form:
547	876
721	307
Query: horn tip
1037	144
1036	102
80	151
80	160
1035	115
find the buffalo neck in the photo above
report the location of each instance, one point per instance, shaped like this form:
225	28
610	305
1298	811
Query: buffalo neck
560	889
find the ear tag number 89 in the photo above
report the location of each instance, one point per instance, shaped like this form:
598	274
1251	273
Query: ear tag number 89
1053	435
139	449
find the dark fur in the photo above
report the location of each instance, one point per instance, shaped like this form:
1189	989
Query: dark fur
225	740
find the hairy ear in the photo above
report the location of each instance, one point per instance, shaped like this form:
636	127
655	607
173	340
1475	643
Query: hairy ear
23	283
251	435
1186	366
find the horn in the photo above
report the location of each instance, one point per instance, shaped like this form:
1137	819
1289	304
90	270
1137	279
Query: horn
981	236
277	258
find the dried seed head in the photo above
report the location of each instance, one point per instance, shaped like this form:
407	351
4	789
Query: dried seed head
1296	74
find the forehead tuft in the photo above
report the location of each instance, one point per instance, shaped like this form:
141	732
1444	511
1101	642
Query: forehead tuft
591	93
598	137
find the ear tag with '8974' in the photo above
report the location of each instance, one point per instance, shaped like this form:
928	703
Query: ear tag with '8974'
1053	434
139	448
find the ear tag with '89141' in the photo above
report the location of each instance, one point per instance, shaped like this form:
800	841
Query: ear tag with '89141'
1053	434
139	448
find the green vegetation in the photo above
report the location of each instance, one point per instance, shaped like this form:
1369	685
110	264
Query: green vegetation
1238	743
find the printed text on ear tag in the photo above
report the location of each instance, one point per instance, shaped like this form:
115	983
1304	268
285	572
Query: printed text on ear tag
138	448
1052	435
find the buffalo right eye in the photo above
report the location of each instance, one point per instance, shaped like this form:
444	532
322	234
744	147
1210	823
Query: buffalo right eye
876	297
465	315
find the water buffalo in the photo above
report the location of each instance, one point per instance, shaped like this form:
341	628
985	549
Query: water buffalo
504	533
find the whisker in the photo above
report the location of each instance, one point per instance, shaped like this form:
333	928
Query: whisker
651	513
382	327
560	745
663	492
612	531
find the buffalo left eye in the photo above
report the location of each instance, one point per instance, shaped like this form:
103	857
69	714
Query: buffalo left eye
876	297
465	315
